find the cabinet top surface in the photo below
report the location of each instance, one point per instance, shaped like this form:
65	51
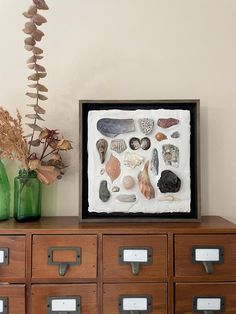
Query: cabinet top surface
209	224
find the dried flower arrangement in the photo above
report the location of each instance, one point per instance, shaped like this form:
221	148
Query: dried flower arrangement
48	163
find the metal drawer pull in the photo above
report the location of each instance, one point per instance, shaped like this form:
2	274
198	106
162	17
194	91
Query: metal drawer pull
4	257
63	305
135	304
4	305
208	305
135	256
63	266
208	256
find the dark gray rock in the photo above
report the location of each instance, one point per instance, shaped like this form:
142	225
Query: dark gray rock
175	134
104	193
169	182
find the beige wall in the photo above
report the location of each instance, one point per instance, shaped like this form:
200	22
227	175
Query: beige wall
132	49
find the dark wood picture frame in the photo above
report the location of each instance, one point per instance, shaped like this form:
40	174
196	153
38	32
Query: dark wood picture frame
193	106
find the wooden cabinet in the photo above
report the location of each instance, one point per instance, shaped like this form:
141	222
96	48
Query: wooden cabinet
59	266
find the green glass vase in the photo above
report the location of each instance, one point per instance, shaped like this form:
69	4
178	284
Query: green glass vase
4	194
27	196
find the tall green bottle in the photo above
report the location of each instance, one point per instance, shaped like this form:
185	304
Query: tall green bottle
4	194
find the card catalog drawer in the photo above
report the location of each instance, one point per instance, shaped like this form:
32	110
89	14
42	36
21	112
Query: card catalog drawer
212	257
12	257
205	298
12	299
135	257
69	299
67	256
138	298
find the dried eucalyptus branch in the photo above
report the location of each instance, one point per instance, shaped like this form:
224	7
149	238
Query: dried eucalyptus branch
35	35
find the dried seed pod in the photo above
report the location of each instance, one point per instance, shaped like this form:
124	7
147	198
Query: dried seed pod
145	185
30	41
39	19
31	11
30	27
35	127
39	68
39	87
29	47
37	51
30	66
41	4
37	35
42	97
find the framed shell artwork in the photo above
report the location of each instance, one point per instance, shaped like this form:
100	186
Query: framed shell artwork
139	160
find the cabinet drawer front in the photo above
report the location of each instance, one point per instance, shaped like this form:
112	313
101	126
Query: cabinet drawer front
143	298
135	257
12	257
67	256
73	298
12	299
211	298
212	257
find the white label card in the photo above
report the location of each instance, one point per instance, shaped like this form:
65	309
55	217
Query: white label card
2	257
135	255
132	304
207	255
1	306
204	304
64	305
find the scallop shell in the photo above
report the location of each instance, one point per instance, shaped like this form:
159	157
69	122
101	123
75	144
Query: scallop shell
160	136
113	168
133	160
119	146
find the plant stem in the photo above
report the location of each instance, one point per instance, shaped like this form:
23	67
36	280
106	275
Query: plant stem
54	150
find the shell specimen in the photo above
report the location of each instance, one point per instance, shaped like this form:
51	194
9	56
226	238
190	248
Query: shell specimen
113	127
146	125
170	155
126	198
167	123
104	193
135	143
145	185
115	189
119	146
35	35
128	182
169	182
102	146
155	162
160	136
113	168
145	143
133	160
175	135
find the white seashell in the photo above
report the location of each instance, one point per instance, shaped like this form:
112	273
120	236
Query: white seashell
119	146
133	160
